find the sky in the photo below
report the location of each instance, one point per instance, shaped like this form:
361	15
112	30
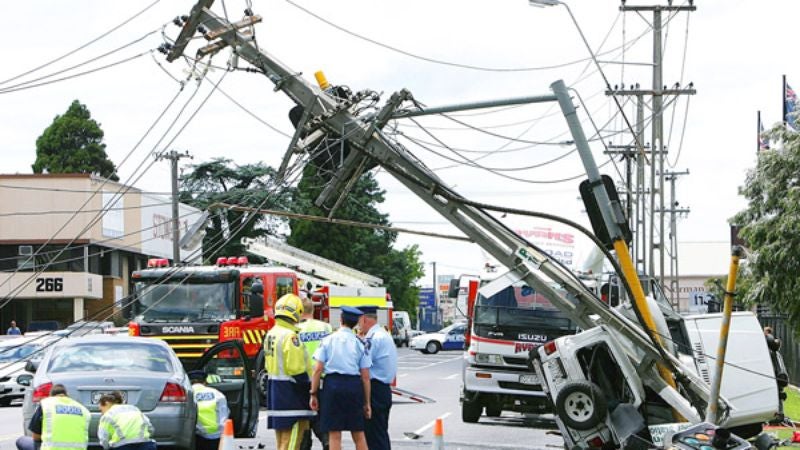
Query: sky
734	54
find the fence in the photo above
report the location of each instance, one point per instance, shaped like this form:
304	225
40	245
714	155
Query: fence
790	350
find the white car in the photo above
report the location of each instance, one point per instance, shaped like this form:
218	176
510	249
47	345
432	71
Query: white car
448	338
14	353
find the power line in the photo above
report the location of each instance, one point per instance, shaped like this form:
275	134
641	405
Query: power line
81	64
442	62
81	47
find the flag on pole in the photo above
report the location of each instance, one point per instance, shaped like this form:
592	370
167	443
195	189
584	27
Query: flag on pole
763	141
790	105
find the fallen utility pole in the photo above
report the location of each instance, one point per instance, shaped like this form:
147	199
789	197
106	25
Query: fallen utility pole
334	116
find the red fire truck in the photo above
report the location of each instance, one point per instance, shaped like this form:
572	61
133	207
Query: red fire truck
194	307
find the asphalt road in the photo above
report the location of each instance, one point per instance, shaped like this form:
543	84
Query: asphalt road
435	376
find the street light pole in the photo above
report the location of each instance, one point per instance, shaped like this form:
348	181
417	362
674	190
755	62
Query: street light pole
540	3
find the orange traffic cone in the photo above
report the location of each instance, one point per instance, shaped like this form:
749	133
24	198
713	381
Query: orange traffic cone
438	435
226	441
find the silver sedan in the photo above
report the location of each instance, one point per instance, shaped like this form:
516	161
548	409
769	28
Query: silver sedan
146	371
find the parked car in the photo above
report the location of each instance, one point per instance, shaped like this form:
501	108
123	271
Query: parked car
14	353
150	376
43	325
82	328
448	338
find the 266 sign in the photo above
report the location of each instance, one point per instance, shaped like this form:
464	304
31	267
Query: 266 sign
50	284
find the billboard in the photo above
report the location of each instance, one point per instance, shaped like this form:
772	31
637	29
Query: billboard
156	234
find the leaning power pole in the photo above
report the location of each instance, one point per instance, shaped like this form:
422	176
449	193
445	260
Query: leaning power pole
174	156
655	253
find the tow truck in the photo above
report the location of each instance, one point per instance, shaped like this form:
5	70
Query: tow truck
671	388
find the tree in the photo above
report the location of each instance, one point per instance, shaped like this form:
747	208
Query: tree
221	181
73	143
770	226
365	249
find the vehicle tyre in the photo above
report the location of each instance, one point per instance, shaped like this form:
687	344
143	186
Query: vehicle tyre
581	405
433	347
748	431
261	378
471	411
494	410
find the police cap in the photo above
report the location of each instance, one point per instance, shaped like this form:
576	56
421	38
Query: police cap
367	309
350	313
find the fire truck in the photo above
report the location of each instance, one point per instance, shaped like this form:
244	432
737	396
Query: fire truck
194	307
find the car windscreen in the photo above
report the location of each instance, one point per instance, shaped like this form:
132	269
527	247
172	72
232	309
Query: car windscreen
19	352
519	305
176	301
118	356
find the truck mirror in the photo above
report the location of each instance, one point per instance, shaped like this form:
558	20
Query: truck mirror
452	291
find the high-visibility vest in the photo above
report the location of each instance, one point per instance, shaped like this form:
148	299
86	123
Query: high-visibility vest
65	424
206	399
124	424
285	355
312	332
288	366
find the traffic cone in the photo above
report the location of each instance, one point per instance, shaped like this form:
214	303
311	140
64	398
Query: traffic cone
226	441
438	435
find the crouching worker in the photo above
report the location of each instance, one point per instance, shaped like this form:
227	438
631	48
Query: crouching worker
123	427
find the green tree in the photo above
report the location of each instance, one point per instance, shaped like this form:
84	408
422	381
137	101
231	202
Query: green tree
221	181
73	143
770	226
365	249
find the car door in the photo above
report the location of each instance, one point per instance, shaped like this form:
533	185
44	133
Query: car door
229	371
454	340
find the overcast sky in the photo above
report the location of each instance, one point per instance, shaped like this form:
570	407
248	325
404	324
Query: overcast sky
735	57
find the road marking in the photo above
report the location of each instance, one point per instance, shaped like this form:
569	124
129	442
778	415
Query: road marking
431	423
9	437
450	377
402	375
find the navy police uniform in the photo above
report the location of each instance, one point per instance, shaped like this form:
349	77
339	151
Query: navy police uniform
342	396
383	354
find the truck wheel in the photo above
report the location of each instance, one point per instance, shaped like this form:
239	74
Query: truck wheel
261	378
432	347
494	410
471	411
581	405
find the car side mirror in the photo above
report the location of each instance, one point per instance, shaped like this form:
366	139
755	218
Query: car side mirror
31	366
25	380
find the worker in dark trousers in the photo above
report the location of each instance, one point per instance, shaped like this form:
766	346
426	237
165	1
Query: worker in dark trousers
383	354
345	396
312	332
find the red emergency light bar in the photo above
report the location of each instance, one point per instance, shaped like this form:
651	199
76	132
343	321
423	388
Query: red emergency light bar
157	262
232	261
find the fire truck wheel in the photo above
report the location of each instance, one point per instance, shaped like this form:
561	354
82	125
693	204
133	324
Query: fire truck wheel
471	411
261	378
581	405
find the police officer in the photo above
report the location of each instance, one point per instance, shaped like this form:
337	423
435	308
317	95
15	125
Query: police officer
123	427
345	395
382	352
212	411
58	423
311	333
288	365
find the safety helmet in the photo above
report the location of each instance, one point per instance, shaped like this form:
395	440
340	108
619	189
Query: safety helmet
290	307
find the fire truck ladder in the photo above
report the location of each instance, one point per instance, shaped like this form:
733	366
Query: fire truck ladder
318	269
330	115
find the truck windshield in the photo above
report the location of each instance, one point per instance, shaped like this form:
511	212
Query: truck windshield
519	305
184	302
